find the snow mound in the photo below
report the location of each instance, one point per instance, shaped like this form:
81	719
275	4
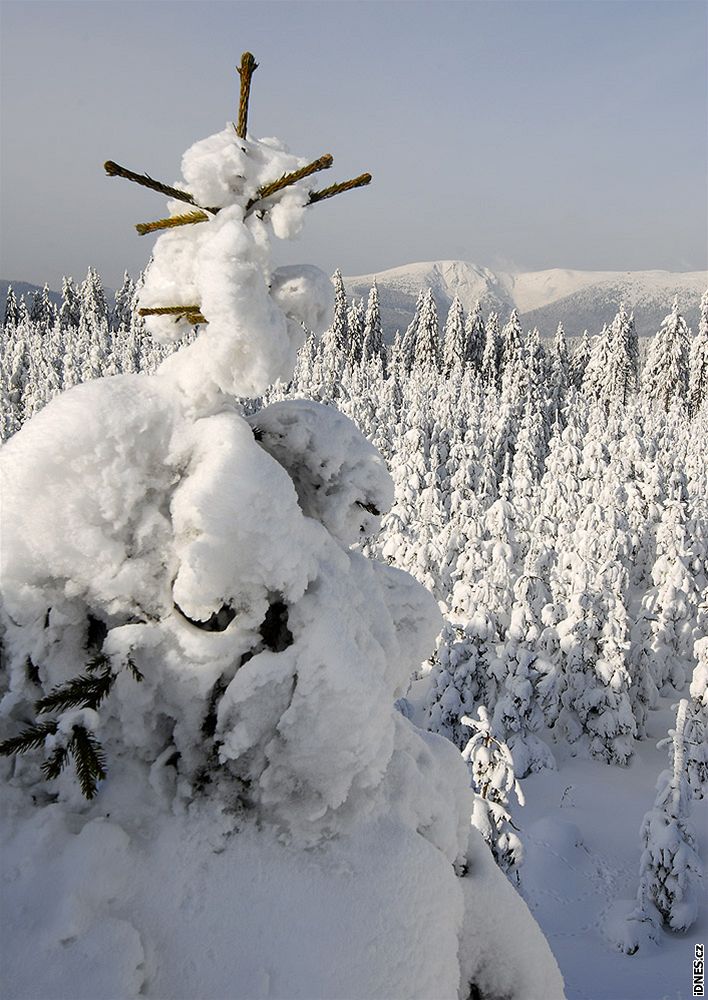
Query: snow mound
340	478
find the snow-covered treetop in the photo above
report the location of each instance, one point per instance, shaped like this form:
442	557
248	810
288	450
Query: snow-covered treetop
211	265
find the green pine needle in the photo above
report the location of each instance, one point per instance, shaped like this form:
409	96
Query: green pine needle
84	691
89	760
55	763
31	738
137	675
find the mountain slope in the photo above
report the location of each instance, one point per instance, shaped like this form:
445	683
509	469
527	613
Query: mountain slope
580	299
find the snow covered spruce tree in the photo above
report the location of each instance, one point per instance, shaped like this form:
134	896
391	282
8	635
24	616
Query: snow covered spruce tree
665	375
186	624
492	771
670	870
697	723
698	362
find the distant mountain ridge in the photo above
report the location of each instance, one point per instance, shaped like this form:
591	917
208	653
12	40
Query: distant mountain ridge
24	289
580	299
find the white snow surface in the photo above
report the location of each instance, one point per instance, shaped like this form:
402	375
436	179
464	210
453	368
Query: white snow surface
191	906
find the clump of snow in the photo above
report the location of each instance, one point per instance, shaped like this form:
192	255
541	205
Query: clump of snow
340	478
223	267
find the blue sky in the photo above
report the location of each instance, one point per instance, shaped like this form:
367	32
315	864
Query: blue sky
520	135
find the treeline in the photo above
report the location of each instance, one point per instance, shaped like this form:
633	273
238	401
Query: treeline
45	349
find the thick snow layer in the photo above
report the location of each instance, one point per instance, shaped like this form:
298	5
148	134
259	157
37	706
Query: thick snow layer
333	854
340	478
194	905
222	266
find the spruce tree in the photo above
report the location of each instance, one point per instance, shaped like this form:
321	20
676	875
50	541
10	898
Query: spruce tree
511	342
670	872
665	376
12	315
427	344
355	329
490	357
373	342
70	309
335	340
410	337
697	723
698	362
492	772
580	360
624	372
454	342
475	338
123	304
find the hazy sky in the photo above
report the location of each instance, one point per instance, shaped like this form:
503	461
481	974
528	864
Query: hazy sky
519	135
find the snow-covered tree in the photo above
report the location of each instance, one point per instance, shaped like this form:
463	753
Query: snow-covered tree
454	339
427	344
670	872
355	329
579	361
698	362
196	625
491	353
665	374
373	343
511	342
475	338
697	723
492	771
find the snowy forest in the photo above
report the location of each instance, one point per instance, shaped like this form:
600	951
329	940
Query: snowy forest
211	652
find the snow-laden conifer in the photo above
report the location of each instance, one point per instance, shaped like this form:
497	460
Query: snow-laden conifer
698	362
491	353
665	374
511	342
670	874
427	344
579	361
454	339
475	338
697	723
492	771
373	343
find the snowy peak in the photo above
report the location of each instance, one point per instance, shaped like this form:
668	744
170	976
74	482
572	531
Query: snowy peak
580	299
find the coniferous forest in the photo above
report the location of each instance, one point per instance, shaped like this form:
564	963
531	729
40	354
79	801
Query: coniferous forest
553	497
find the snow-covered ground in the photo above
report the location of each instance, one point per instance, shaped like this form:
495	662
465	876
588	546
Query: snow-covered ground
580	829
